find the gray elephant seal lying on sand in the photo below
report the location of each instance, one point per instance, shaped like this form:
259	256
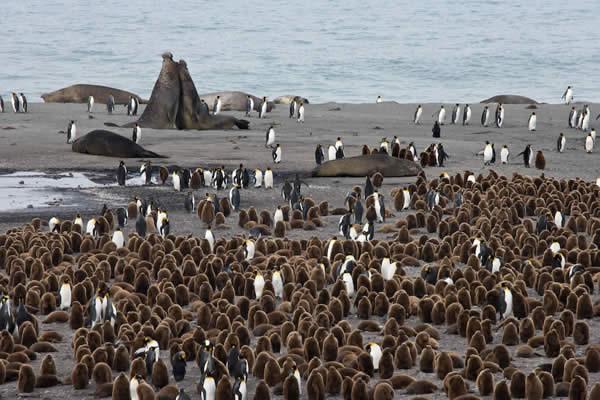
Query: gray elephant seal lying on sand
80	93
367	165
509	99
106	143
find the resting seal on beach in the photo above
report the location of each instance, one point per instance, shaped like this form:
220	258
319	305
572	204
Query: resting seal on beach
80	93
367	165
289	98
175	104
233	101
509	99
106	143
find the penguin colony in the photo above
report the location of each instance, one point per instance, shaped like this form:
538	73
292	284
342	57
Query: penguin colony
510	271
505	265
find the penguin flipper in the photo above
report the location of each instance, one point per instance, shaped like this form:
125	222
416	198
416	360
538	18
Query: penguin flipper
242	124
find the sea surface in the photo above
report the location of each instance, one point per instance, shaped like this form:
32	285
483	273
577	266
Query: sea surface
345	51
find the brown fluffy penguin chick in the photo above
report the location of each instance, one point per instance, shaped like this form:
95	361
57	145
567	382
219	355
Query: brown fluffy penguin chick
330	348
79	376
334	381
262	392
279	230
517	384
160	374
163	174
315	387
291	390
377	179
540	160
426	360
578	389
150	227
359	390
534	390
101	373
26	380
224	390
121	388
383	391
48	366
145	392
132	211
456	386
272	374
501	391
208	213
485	382
121	359
386	364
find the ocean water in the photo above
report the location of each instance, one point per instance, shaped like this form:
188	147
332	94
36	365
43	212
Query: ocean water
339	50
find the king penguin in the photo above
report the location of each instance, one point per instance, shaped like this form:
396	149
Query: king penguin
137	133
64	295
441	117
217	105
572	118
90	104
485	115
268	178
504	154
301	113
234	198
277	281
499	115
263	107
210	238
589	143
319	155
270	137
259	283
418	113
561	143
488	153
110	104
121	174
276	154
375	351
293	108
568	95
178	364
1	104
249	105
190	202
23	100
455	114
117	238
331	152
71	132
532	122
527	156
140	225
466	115
14	99
239	389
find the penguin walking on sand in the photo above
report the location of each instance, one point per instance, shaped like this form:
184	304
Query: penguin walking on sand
249	105
90	104
455	114
137	133
293	108
527	156
532	122
568	95
130	105
485	116
64	295
379	100
466	115
176	181
122	174
504	154
110	104
1	104
14	99
268	178
589	143
301	113
488	153
23	100
585	123
146	173
441	116
276	154
262	110
505	306
418	113
561	143
258	178
71	132
217	105
270	137
499	115
319	155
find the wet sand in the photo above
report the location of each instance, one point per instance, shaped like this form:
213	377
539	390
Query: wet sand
37	143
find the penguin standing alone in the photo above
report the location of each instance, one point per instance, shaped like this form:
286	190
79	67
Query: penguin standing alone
488	153
121	174
499	115
277	154
485	115
568	95
441	117
90	104
137	133
293	108
504	154
64	295
527	156
589	143
466	115
270	138
268	178
71	132
331	152
249	105
319	156
110	104
217	105
418	113
262	108
532	122
561	143
301	113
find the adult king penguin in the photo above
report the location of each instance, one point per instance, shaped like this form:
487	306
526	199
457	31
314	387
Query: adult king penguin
527	156
270	137
14	99
488	153
504	154
532	122
455	114
71	132
137	133
466	115
90	104
441	117
249	105
293	108
485	116
121	174
276	154
499	115
319	155
262	110
418	113
589	143
1	104
301	113
331	151
217	105
23	102
561	143
110	104
568	95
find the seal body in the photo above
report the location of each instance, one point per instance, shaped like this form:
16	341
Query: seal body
105	143
509	99
81	93
367	165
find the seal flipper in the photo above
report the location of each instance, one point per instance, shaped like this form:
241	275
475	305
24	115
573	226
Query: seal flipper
242	124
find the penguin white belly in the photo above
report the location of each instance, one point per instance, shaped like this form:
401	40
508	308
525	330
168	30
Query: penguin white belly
331	153
376	356
259	178
504	156
259	284
406	200
418	116
269	180
118	239
589	144
278	285
442	116
65	297
532	123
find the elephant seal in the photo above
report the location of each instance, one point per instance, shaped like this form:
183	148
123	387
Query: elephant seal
367	165
509	99
79	94
234	101
105	143
289	98
191	115
162	108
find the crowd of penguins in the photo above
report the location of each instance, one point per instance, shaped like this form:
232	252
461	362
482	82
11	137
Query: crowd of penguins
506	265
